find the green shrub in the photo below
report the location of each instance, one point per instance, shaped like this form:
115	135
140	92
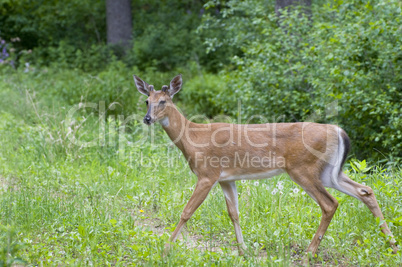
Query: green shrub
73	34
41	25
10	248
199	95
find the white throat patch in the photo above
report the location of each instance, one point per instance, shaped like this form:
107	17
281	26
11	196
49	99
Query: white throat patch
164	122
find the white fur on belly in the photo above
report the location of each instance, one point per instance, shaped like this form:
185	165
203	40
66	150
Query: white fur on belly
251	176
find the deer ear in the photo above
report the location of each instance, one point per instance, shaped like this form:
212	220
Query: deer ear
175	85
142	86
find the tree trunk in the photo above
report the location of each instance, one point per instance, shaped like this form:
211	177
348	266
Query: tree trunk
119	23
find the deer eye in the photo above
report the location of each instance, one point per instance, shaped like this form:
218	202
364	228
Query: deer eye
162	102
146	102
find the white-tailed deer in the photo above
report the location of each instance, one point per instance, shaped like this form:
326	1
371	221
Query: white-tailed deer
312	154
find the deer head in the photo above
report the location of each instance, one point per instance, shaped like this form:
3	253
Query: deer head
158	102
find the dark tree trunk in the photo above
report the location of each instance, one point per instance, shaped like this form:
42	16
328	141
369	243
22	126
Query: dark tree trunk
119	22
282	4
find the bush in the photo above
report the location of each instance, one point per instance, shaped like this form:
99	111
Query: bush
199	95
73	34
40	26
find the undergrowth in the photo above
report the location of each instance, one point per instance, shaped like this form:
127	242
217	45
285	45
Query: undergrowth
114	198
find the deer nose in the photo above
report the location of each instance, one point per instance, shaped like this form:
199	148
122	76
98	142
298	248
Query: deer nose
147	119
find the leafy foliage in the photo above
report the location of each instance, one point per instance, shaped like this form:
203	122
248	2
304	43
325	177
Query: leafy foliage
73	34
10	248
164	33
43	27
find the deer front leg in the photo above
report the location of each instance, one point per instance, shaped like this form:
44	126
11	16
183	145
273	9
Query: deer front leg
204	185
232	203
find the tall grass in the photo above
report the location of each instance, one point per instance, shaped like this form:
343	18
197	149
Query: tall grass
63	204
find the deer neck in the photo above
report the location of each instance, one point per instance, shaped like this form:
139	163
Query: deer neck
175	125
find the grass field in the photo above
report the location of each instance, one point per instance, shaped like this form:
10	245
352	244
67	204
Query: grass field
117	201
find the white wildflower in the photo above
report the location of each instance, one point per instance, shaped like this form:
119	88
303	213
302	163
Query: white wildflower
110	169
274	191
296	190
256	183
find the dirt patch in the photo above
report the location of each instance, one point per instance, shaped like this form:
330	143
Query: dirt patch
8	184
191	241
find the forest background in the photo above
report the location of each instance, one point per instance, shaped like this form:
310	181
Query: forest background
333	61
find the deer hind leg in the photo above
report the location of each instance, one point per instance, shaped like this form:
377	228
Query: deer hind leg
328	204
230	192
366	195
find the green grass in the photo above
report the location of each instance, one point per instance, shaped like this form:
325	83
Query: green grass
63	204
